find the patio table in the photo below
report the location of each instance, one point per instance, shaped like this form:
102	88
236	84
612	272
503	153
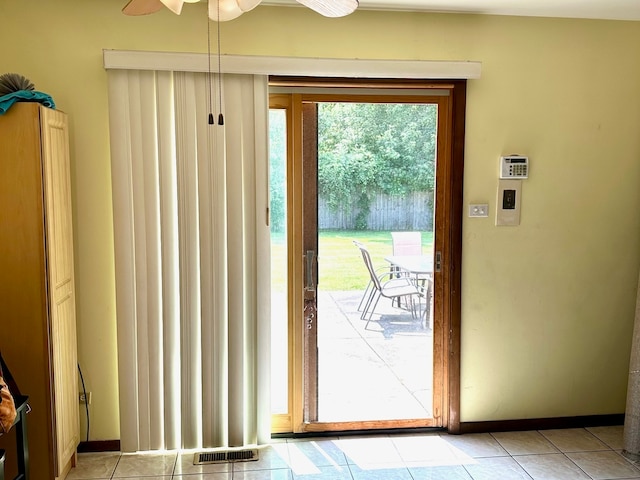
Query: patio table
420	267
417	265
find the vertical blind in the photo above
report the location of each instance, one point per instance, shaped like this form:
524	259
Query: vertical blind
192	258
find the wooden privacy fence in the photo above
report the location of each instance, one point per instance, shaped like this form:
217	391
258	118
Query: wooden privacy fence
388	212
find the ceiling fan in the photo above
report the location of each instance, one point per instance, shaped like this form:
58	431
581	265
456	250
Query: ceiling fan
224	10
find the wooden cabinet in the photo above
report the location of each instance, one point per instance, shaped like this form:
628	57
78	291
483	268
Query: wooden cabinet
37	289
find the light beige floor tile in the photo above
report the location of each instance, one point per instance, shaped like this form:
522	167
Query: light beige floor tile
551	467
369	450
574	440
604	465
270	457
94	465
154	477
380	472
163	477
145	464
474	445
451	472
319	452
633	461
277	474
611	436
524	443
185	466
334	472
430	450
492	468
201	476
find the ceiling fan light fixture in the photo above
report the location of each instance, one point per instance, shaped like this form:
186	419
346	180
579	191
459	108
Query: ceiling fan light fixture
336	8
228	10
225	10
174	5
246	5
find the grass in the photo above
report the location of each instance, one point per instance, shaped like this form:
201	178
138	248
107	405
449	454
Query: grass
340	263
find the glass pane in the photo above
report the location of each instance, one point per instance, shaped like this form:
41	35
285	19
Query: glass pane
376	176
279	301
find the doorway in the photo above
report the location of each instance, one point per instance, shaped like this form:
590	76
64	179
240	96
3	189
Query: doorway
360	164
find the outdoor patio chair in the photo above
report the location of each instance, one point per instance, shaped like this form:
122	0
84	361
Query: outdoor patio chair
392	288
406	243
368	292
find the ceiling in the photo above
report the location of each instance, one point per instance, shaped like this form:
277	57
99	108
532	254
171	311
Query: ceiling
596	9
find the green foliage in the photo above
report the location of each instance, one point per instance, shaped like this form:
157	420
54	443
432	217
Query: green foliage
366	148
363	149
277	167
364	207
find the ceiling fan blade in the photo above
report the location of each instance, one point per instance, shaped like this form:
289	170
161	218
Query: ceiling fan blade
229	9
146	7
142	7
174	5
331	8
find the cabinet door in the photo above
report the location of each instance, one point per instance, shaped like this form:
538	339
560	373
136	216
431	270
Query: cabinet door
61	286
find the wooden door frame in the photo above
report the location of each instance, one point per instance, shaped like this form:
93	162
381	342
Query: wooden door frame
452	254
450	206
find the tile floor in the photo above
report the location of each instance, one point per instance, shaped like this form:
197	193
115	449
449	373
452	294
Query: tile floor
591	453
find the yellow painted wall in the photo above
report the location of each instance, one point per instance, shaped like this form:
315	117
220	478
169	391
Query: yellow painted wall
547	307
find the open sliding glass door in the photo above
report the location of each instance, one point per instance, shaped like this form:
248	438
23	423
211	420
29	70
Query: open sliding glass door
325	330
310	245
294	276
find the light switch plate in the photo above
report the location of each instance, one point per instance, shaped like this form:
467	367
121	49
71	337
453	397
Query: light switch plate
479	210
508	202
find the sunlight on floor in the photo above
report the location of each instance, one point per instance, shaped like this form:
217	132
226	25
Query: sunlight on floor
579	453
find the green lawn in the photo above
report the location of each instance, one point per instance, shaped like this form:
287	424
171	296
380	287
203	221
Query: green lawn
340	262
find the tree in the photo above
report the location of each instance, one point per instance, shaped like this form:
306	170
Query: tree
370	148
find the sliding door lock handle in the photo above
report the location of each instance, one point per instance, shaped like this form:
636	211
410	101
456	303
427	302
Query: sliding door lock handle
310	285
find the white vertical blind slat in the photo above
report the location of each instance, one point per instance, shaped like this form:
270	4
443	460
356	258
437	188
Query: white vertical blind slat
190	261
152	304
263	261
170	257
207	272
119	126
217	147
140	257
248	159
236	260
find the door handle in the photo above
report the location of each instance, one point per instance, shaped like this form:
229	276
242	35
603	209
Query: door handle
310	284
438	261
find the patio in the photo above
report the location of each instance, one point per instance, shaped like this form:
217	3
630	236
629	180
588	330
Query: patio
382	373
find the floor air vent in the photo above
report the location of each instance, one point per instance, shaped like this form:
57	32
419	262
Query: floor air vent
225	456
